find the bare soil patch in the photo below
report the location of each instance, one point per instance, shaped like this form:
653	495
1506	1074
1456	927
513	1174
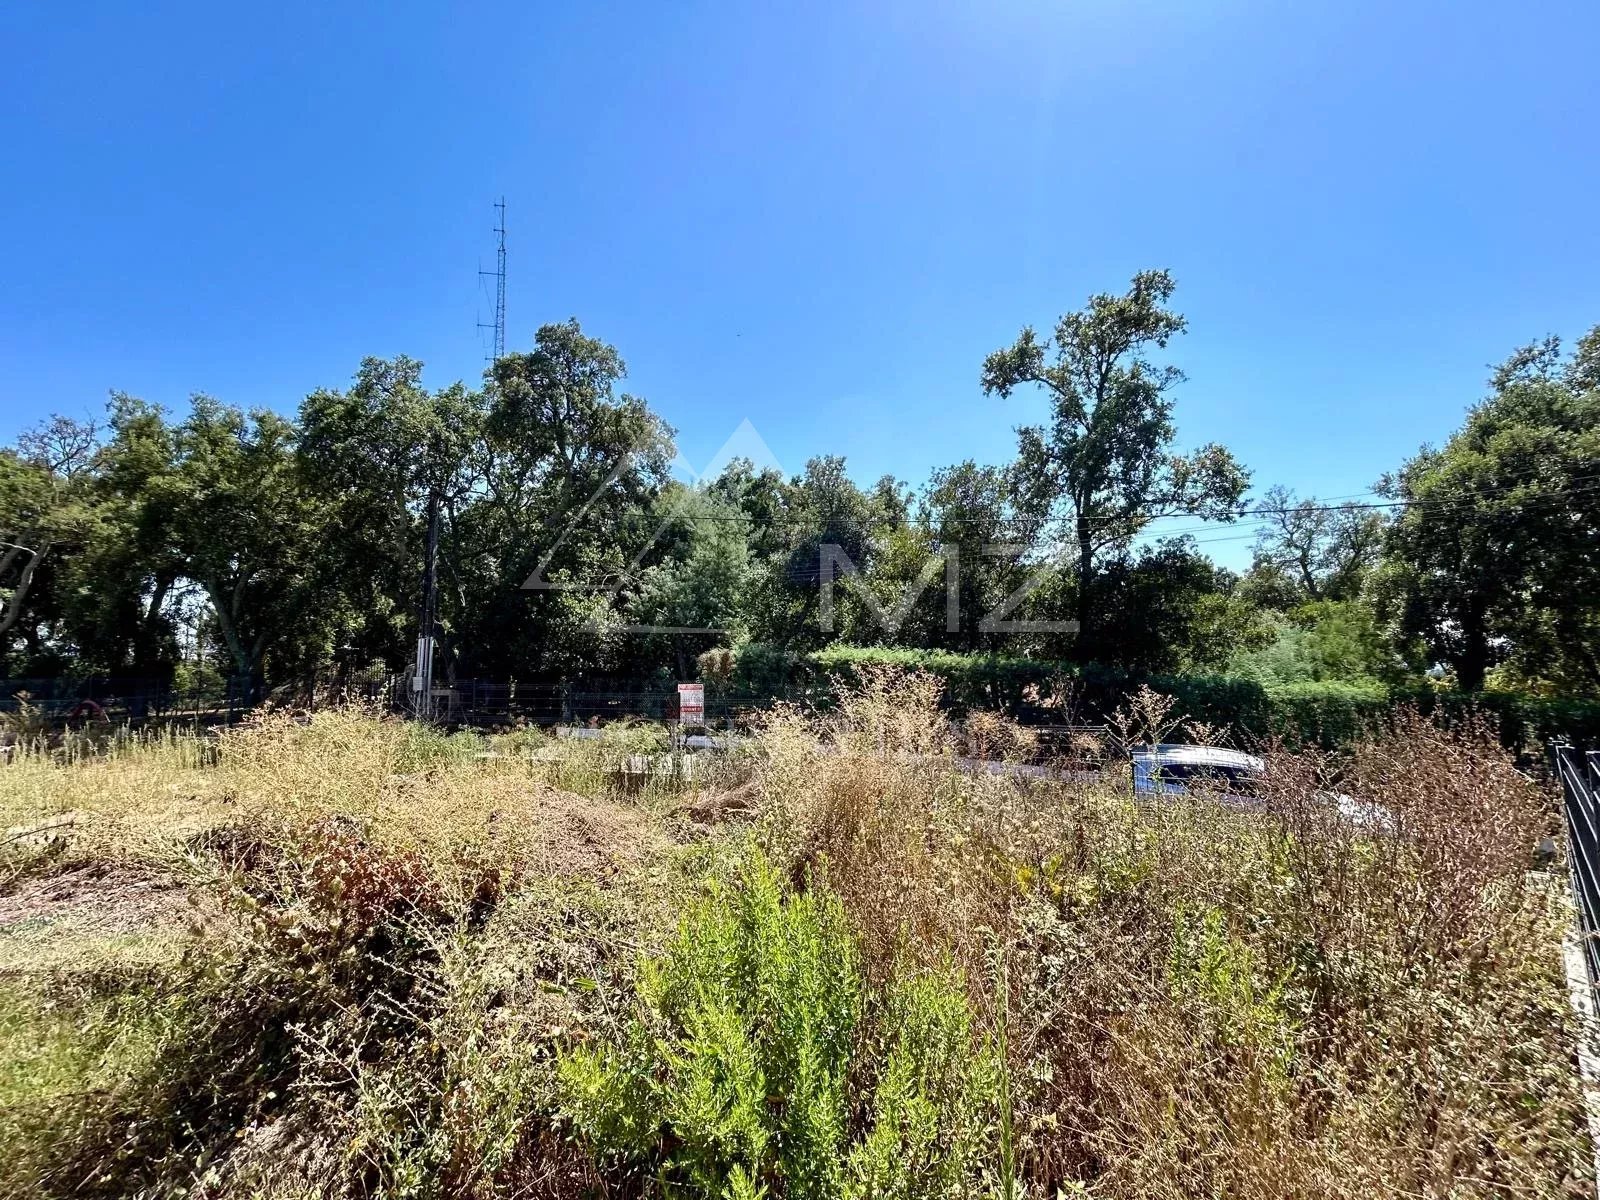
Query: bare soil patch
586	836
91	913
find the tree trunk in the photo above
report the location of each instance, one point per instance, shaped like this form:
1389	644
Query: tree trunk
147	657
230	634
1308	579
1083	646
1472	664
13	608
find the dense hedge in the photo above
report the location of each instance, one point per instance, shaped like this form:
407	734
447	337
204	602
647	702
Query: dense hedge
1327	714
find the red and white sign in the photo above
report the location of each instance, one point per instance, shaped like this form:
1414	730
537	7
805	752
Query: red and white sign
692	703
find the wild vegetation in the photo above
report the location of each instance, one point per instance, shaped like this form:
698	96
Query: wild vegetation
346	955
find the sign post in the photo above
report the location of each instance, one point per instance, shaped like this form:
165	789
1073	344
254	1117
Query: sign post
691	704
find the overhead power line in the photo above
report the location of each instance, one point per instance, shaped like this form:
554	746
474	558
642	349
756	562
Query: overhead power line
1445	501
1263	511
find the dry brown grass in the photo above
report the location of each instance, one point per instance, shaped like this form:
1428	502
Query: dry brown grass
448	799
867	798
1295	1001
403	930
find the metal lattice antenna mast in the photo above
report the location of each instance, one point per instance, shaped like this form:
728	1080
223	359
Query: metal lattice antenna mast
499	274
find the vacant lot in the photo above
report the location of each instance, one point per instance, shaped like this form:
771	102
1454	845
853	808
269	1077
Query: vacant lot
350	956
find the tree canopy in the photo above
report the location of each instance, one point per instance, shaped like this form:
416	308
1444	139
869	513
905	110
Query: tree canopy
278	547
1104	467
1494	557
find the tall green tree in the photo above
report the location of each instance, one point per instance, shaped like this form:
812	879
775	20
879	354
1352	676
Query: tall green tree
1104	467
45	508
1168	608
568	471
964	532
970	510
380	456
695	593
240	524
129	596
819	552
1495	555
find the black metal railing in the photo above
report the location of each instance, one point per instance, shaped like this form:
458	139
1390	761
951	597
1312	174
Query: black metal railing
122	699
481	703
1579	773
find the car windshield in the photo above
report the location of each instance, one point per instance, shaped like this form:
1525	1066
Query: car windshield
1213	774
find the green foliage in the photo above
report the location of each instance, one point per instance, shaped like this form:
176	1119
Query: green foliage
424	746
1329	713
198	678
564	477
1104	465
1185	1000
245	532
792	524
288	549
1321	641
118	1086
1326	713
303	536
1494	552
1217	971
701	581
1287	658
1169	609
763	669
961	523
932	1099
376	454
733	1077
72	1057
44	508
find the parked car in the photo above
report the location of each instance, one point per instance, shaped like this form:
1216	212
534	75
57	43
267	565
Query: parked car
1172	770
1233	777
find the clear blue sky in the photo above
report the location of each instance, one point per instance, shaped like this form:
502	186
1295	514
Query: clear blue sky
819	217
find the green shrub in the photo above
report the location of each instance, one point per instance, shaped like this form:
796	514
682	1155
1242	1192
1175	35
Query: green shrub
733	1078
929	1126
1327	714
423	746
763	670
1218	975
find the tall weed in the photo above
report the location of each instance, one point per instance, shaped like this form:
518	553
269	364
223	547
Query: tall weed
735	1077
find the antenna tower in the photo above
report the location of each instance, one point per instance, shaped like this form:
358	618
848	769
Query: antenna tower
499	274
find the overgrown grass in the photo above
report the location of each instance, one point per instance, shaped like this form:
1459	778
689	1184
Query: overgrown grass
758	1060
406	964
